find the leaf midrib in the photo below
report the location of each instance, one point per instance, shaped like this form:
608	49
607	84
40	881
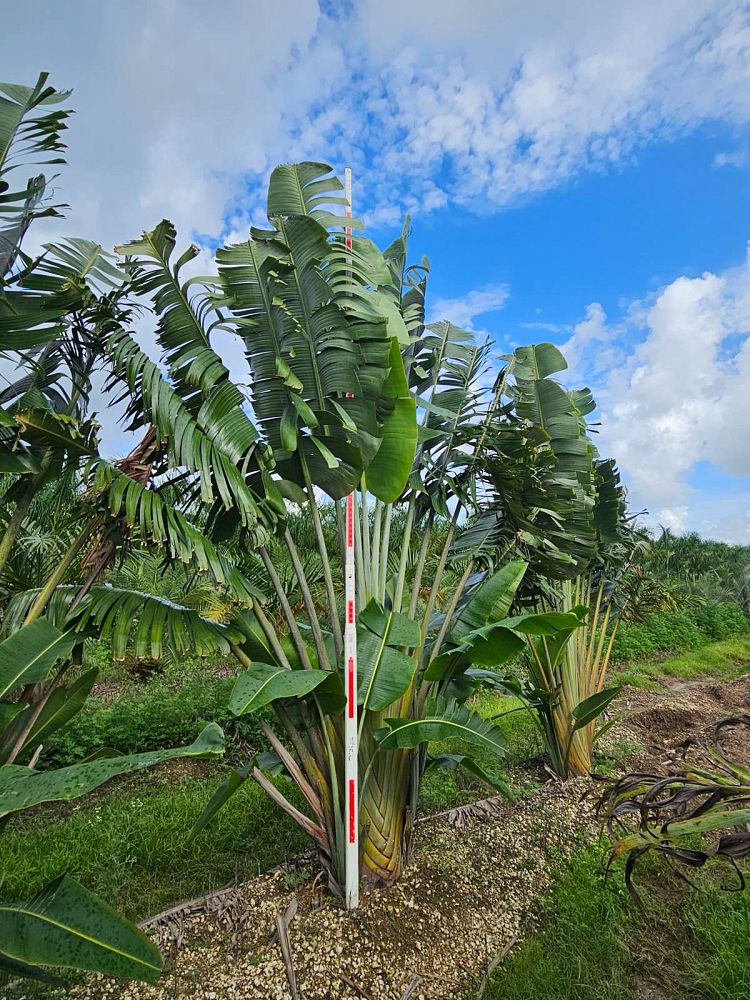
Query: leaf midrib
71	930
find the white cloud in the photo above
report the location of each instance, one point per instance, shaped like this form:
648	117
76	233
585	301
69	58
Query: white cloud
737	158
464	310
678	398
184	106
592	348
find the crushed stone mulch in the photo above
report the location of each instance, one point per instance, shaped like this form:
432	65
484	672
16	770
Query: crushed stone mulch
466	894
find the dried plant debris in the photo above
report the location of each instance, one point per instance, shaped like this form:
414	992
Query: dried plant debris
705	794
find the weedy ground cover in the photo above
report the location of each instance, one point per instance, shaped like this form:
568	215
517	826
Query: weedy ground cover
593	942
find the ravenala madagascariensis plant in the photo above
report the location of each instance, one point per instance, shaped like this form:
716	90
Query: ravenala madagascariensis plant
350	391
567	677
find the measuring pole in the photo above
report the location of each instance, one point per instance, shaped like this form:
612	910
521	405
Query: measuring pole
351	763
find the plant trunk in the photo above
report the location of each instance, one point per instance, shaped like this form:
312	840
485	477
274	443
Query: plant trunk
384	818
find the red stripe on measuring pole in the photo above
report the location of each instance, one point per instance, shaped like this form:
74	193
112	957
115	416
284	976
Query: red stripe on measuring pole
352	696
352	825
350	521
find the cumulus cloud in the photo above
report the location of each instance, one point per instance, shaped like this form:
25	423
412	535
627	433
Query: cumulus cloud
678	398
466	308
593	348
183	107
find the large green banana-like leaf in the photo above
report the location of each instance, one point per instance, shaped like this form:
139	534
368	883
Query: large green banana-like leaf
591	708
265	682
303	356
45	428
66	926
63	703
543	467
452	761
443	720
305	189
149	624
611	505
30	130
388	472
183	328
8	712
499	641
447	376
355	269
27	434
162	523
319	353
546	623
491	599
536	362
490	646
27	656
56	612
384	671
18	123
71	279
12	970
234	781
199	443
21	788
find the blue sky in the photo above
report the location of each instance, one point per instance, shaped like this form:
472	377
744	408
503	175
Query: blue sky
575	172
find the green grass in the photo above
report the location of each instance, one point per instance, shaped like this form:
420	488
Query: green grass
724	660
131	845
594	943
444	789
720	924
579	953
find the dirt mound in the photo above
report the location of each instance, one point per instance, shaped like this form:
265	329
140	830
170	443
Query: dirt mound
681	710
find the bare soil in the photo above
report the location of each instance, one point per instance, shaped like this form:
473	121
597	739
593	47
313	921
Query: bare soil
662	720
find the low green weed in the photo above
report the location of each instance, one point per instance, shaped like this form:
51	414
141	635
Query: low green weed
151	716
725	660
672	631
131	845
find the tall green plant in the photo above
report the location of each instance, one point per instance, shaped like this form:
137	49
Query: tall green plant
55	312
568	673
351	391
461	483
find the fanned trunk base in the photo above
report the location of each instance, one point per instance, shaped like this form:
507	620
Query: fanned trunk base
384	821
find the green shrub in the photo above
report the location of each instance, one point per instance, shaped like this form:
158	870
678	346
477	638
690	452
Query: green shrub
672	631
632	642
721	620
151	716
